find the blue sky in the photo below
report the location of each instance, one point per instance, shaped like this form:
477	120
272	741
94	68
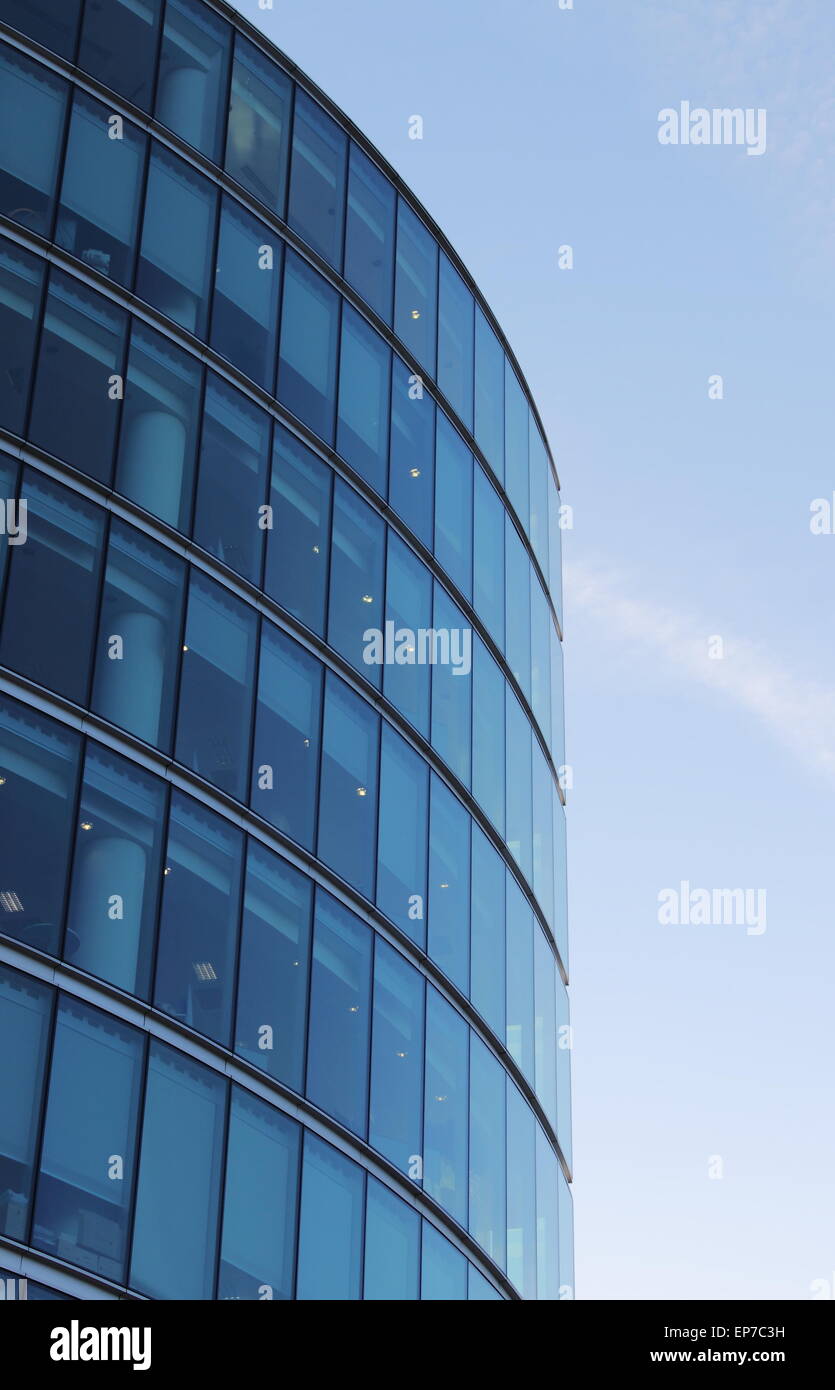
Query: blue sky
691	521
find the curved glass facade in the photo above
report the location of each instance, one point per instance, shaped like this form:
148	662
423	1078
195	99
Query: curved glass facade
282	869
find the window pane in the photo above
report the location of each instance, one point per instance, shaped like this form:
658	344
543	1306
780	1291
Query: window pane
487	1152
443	1268
560	923
392	1246
75	411
454	506
540	470
286	764
87	1173
456	311
274	967
397	1059
519	958
488	558
32	103
160	420
563	1069
408	610
298	544
340	1014
369	233
545	1026
25	1008
99	201
452	688
192	80
557	738
480	1288
487	977
258	1251
519	827
412	466
348	790
445	1125
543	833
259	125
117	871
13	531
416	286
330	1233
317	179
554	546
356	580
566	1235
516	444
489	395
307	360
138	649
540	658
247	284
21	280
232	479
518	601
52	23
216	686
52	588
401	862
488	735
174	272
38	765
175	1233
199	919
449	885
521	1194
119	45
547	1225
362	433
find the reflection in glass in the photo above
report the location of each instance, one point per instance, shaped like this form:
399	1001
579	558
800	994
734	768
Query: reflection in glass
32	103
191	92
257	141
369	233
317	179
340	1014
99	203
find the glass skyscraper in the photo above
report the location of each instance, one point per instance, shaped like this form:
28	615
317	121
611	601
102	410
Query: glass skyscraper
283	949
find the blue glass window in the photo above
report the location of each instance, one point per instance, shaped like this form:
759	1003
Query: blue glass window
554	546
487	970
330	1231
401	860
258	136
412	462
452	687
298	546
416	286
521	1194
547	1220
317	179
356	581
456	351
52	589
454	506
309	337
21	281
369	233
479	1288
119	46
563	1069
87	1172
518	608
138	648
117	871
75	409
516	445
25	1009
489	394
488	734
286	763
216	686
565	1204
99	203
362	432
540	658
560	923
543	833
32	103
520	1003
545	1026
191	95
539	473
53	23
488	1175
348	788
443	1268
247	287
449	884
409	609
446	1113
175	272
160	420
13	518
397	1059
557	739
519	823
199	919
175	1230
340	1014
274	967
392	1246
258	1248
488	558
229	517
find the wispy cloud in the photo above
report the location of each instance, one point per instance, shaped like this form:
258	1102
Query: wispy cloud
799	713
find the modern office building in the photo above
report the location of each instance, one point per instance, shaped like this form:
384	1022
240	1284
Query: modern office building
283	958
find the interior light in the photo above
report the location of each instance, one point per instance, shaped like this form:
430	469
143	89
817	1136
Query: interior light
86	825
414	472
10	902
366	598
362	791
416	313
204	970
